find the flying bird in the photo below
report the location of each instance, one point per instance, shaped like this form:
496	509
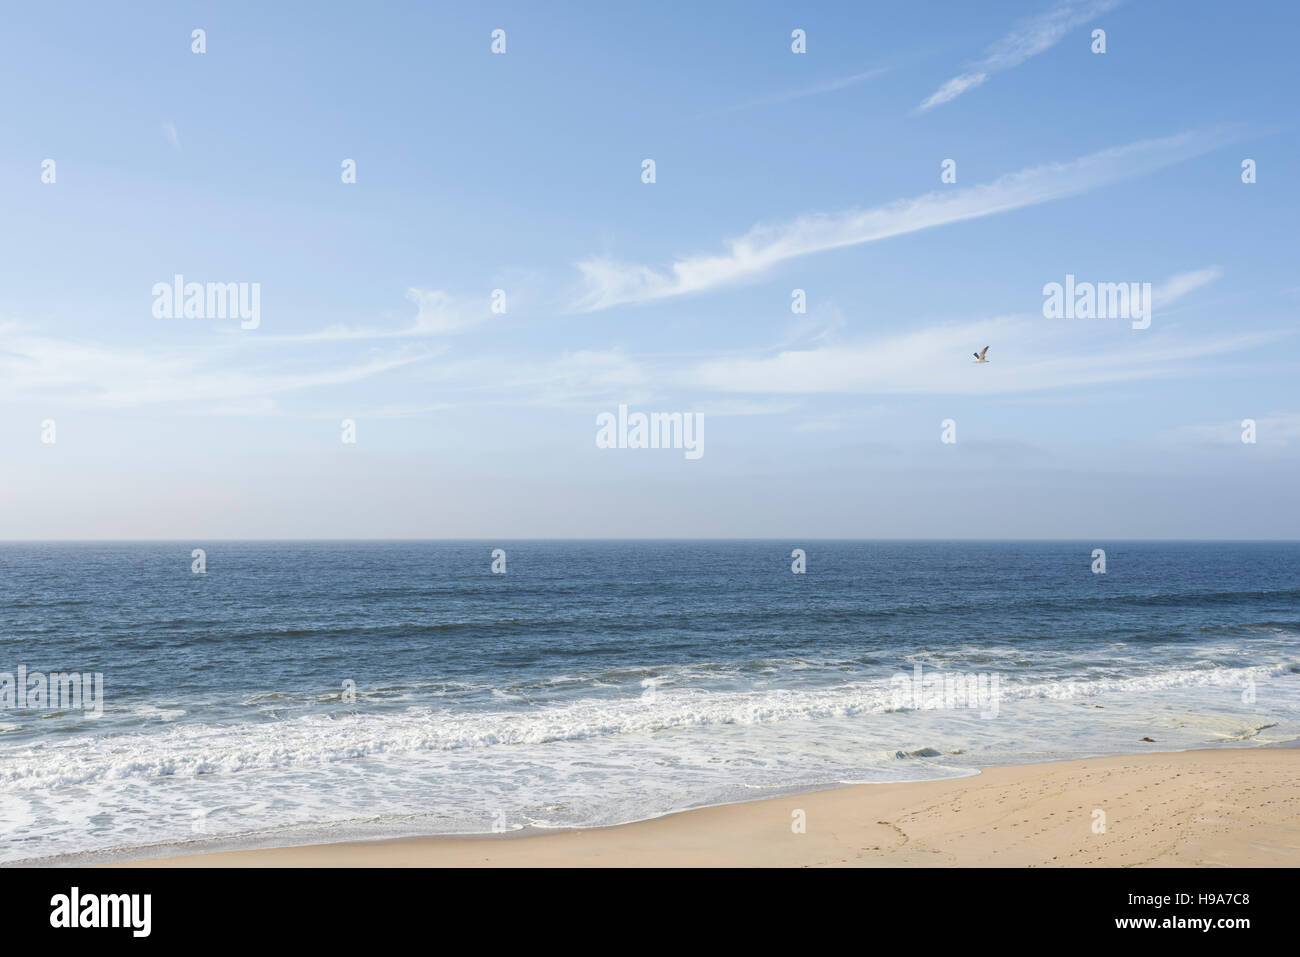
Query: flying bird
979	356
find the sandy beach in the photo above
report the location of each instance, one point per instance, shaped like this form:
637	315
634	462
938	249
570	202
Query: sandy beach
1209	808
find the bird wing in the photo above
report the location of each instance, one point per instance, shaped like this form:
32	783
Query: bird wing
982	351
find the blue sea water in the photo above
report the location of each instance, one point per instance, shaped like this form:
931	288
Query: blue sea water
302	692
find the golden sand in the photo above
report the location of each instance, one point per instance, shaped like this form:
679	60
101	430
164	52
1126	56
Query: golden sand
1227	807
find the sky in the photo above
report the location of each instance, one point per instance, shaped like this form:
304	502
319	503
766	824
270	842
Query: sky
522	175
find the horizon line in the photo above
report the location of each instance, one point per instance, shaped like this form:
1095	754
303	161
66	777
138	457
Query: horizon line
498	539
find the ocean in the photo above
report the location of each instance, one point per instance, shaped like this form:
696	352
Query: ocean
318	691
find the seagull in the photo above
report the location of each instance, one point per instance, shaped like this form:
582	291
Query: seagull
979	356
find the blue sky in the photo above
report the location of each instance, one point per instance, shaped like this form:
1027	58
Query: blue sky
774	170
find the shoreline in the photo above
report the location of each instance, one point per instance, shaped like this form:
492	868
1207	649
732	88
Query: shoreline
1210	807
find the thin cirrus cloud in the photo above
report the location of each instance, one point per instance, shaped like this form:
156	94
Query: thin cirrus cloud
608	282
1028	356
1178	286
923	363
172	136
438	313
87	374
1027	39
816	89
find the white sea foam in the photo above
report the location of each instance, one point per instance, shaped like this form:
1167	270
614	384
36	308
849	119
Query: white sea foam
307	740
595	757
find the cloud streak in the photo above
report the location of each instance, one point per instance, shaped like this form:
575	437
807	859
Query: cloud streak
172	136
817	89
438	313
1175	287
933	361
81	373
1028	39
608	282
1027	354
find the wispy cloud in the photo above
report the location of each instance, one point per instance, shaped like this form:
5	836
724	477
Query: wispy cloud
1028	356
438	313
84	373
1028	39
580	375
173	137
1175	287
816	89
935	361
608	282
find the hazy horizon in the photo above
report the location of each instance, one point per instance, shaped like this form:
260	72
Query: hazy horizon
649	538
